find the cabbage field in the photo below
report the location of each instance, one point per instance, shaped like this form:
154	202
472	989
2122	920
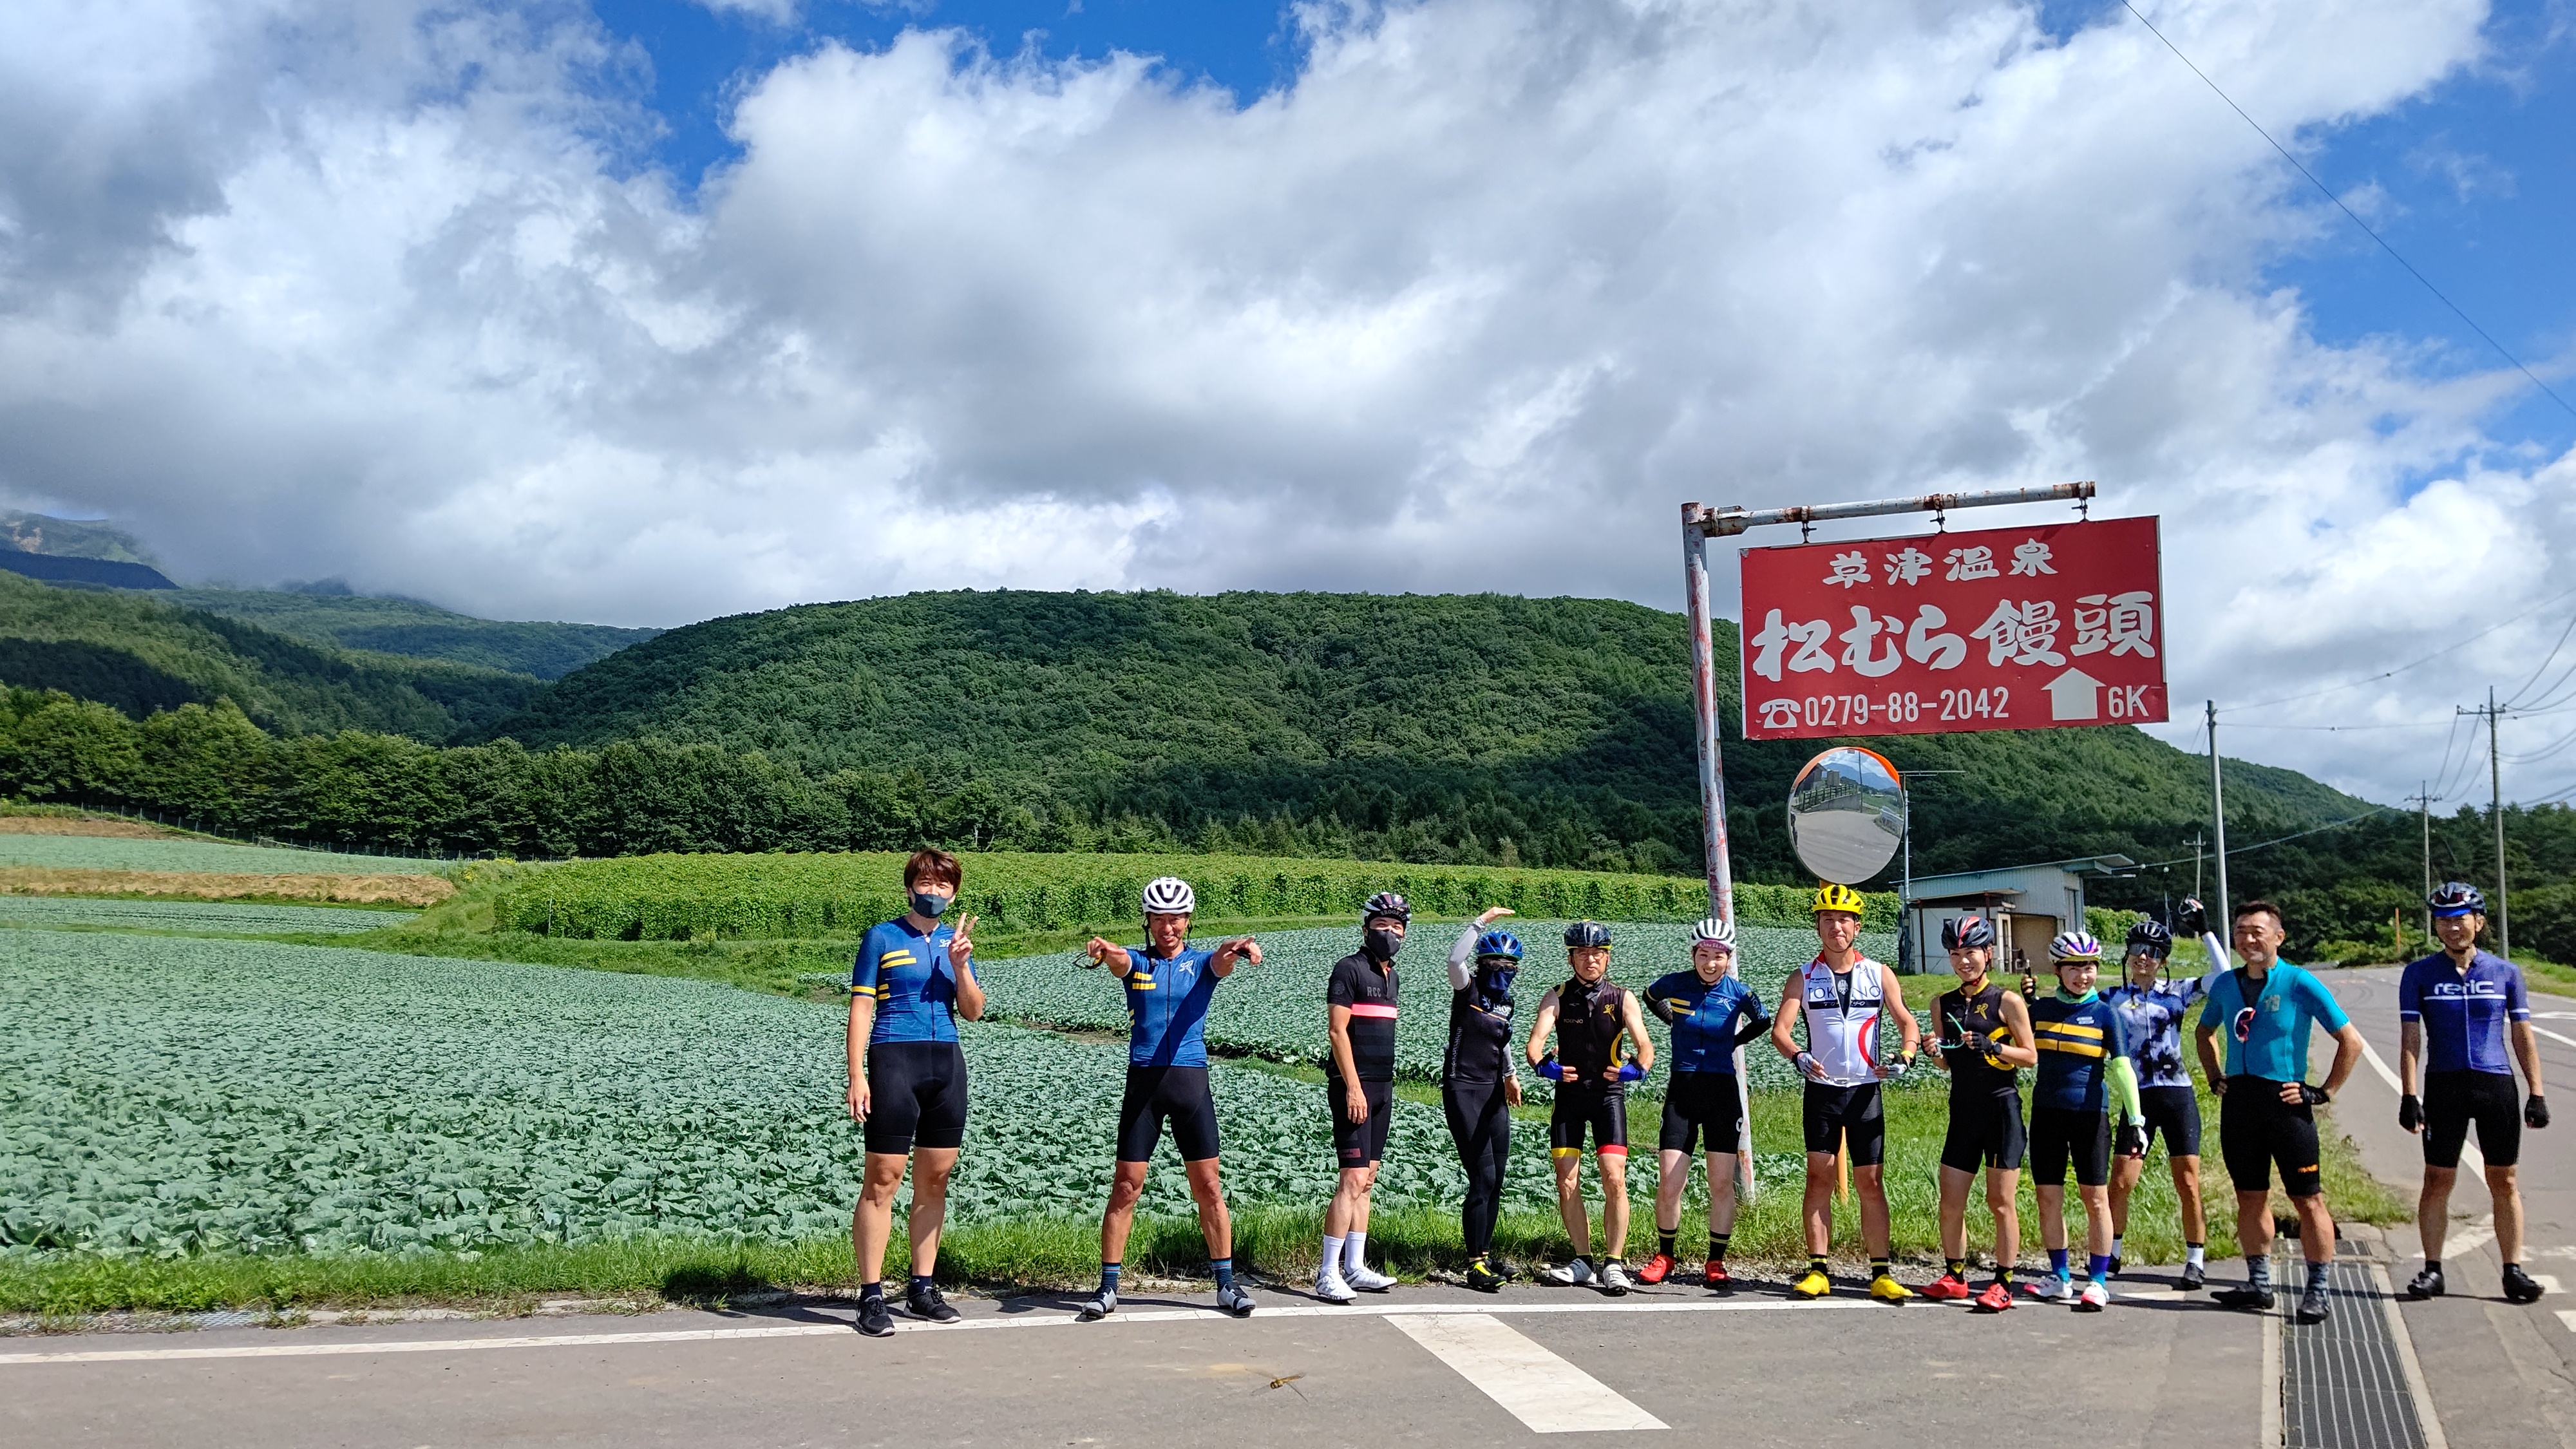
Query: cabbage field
676	897
1276	1010
110	852
231	918
162	1097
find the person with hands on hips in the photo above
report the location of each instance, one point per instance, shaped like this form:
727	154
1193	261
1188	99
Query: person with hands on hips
1359	1090
2266	1105
2465	1016
1480	1083
1589	1016
2085	1083
1985	1041
1710	1012
1841	997
913	978
1168	989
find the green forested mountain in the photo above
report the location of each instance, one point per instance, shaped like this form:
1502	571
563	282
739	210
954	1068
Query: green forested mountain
411	628
139	654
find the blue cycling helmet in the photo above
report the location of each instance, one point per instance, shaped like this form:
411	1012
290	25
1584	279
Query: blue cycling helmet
1586	933
2457	898
1498	943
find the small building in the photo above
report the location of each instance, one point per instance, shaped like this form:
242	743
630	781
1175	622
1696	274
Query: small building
2029	905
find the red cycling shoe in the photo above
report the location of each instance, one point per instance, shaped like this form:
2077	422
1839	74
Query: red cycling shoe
1949	1288
1714	1275
1995	1299
1657	1269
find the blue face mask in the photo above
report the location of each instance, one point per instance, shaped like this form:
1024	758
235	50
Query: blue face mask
929	905
1494	984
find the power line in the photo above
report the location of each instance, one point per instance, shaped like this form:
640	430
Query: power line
2421	724
2449	648
2349	212
2267	844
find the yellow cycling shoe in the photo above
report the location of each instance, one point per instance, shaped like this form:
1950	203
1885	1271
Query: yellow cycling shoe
1887	1290
1814	1285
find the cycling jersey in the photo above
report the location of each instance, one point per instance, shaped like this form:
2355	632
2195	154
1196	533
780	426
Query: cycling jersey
1976	1074
2265	1023
1167	1006
1589	1022
2083	1050
2464	1013
2154	1016
1358	983
1703	1018
1842	1010
910	976
1480	1024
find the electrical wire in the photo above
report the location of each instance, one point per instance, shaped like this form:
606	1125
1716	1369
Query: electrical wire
2421	724
2349	212
2235	851
2515	698
2402	668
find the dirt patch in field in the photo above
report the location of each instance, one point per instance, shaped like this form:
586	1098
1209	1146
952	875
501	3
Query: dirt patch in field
87	825
363	890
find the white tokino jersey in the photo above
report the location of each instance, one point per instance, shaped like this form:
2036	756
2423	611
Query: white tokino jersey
1842	1012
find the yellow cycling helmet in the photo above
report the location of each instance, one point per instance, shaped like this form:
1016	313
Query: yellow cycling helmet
1832	897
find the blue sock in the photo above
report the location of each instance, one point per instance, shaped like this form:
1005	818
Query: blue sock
2100	1264
1108	1277
2057	1261
1224	1272
920	1284
872	1293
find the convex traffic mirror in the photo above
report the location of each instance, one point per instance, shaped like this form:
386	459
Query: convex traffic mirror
1847	814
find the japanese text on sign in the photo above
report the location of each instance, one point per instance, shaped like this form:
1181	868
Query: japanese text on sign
2000	629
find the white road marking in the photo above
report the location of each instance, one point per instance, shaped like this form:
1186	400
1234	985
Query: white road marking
2548	1281
2267	1416
2567	1318
2425	1418
1543	1391
809	1330
2553	1036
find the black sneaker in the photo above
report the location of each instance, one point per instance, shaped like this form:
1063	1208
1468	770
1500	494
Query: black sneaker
926	1303
874	1321
2518	1285
2194	1278
2427	1284
2312	1304
1099	1306
2244	1295
1482	1277
2116	1265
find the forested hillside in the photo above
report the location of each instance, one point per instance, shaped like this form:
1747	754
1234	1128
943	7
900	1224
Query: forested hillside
138	654
416	630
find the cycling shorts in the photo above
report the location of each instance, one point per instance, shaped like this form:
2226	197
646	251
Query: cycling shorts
2174	1111
1155	1094
1580	1106
2060	1135
2453	1100
916	1096
1985	1131
1701	1105
1847	1119
1362	1143
2256	1129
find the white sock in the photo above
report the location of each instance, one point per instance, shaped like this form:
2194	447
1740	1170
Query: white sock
2115	1246
1355	1253
1332	1264
2196	1255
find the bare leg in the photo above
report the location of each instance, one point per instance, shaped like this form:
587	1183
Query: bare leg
931	1169
872	1220
2000	1184
1348	1212
1721	1194
1869	1184
1670	1186
2508	1212
1819	1203
1954	1212
1614	1204
1124	1188
2433	1211
1208	1191
2052	1215
2097	1218
2125	1172
1569	1198
2254	1223
2186	1176
2316	1228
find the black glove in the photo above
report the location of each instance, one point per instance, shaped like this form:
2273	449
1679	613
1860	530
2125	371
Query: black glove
1753	1027
2192	919
1976	1041
2535	1112
2313	1096
2130	1141
2029	987
2410	1112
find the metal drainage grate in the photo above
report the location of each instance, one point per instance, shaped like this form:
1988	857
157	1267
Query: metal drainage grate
2342	1384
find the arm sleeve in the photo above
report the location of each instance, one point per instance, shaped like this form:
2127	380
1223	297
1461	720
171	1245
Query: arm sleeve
1656	1002
1462	959
2121	1079
1757	1020
2218	957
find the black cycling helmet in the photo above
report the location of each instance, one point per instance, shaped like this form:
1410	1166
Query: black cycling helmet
1966	933
1387	904
2151	937
2456	898
1586	933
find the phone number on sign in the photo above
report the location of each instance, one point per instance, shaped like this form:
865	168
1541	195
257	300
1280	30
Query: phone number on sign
1833	711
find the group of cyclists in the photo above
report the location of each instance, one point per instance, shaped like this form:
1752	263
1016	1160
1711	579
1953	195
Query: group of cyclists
2107	1067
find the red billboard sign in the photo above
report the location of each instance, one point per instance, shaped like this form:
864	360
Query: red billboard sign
2001	629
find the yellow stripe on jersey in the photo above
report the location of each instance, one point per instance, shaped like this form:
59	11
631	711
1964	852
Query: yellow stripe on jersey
2073	1048
2068	1028
896	957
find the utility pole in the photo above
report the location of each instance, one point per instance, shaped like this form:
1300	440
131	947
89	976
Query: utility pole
2218	830
2495	807
2199	848
2423	798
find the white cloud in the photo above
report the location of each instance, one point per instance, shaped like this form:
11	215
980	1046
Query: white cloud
1474	304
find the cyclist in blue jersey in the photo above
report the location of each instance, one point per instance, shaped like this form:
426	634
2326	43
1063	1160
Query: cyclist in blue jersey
1712	1014
2153	1009
2266	1105
913	978
2465	1016
1168	988
2084	1085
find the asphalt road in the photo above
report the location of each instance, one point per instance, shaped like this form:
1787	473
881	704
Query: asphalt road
2501	1375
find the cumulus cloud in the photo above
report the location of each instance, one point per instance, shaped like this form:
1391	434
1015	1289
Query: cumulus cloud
1474	303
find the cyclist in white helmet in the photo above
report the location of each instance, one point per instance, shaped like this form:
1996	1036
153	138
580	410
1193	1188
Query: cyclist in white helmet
1711	1013
1168	990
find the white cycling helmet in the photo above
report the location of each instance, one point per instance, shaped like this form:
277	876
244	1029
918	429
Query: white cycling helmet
1714	932
1169	895
2075	946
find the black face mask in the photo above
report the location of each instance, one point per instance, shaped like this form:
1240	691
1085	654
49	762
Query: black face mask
1381	944
1494	985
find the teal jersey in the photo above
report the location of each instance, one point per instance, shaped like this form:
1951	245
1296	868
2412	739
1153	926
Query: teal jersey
2265	1024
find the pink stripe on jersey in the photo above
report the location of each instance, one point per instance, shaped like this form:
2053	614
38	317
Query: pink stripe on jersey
1385	1011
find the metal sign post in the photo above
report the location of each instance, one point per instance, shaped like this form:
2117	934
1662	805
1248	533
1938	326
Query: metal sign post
1700	523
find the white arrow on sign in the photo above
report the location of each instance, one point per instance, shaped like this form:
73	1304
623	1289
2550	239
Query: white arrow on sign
2075	695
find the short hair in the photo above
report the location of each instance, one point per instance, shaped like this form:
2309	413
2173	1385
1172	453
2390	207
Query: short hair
933	864
2258	907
